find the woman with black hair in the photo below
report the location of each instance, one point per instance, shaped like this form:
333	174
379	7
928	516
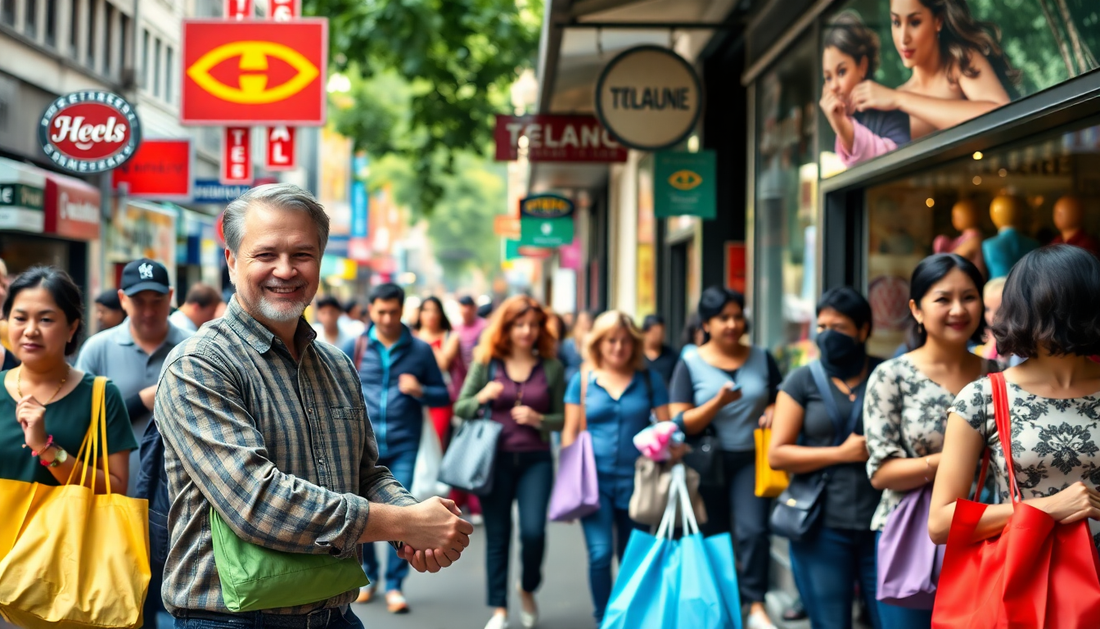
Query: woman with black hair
1048	315
960	70
905	409
434	328
810	436
45	404
728	387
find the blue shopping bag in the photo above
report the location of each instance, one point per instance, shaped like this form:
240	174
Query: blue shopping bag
641	597
690	583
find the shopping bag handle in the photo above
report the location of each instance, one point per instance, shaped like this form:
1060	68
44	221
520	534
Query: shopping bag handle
1003	418
687	512
95	438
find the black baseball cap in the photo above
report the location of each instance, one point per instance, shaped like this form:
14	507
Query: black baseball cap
466	300
144	274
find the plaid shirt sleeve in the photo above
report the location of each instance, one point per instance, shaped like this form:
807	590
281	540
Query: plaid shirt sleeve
202	416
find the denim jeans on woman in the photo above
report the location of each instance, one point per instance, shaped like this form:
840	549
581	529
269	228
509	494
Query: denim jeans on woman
606	531
826	566
525	478
401	465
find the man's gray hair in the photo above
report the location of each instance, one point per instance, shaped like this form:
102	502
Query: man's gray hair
285	196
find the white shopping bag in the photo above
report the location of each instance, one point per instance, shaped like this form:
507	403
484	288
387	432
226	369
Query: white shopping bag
426	472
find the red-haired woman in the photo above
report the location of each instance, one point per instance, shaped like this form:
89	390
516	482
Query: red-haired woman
516	377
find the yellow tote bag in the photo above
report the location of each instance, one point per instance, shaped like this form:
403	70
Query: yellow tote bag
71	559
769	483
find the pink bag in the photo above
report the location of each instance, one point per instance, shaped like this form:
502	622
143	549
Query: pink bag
576	490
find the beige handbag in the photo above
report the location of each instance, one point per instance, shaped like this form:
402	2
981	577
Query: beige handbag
650	497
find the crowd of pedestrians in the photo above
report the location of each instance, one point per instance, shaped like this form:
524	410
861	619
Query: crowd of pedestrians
307	439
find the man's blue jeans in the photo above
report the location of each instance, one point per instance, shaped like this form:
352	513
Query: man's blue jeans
255	620
826	567
401	466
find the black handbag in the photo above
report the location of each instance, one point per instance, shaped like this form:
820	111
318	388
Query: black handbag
705	456
797	511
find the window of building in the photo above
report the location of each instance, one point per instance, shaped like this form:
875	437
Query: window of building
30	18
74	29
91	33
108	39
146	75
7	12
51	23
168	73
156	67
124	41
785	209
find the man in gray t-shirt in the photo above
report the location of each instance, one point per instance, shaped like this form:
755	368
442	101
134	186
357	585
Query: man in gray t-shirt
132	354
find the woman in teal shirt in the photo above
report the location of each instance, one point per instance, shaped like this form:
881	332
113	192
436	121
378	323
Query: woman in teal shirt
46	405
620	396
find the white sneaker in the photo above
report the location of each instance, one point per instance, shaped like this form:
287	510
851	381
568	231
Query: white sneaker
758	621
476	519
497	622
528	620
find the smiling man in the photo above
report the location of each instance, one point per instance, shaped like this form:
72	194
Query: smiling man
269	428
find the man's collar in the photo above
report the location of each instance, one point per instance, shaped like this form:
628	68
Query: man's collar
256	334
372	335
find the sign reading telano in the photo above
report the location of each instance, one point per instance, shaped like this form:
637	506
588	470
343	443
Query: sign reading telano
556	139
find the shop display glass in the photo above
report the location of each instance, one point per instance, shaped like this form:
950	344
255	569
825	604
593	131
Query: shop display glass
1041	191
786	207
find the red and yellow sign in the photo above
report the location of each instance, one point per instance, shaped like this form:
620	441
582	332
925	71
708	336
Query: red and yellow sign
252	72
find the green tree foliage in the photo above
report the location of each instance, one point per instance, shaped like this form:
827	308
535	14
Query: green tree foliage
457	59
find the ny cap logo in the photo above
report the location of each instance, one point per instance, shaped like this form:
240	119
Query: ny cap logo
253	64
146	271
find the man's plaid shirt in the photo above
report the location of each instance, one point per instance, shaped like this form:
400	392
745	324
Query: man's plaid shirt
283	450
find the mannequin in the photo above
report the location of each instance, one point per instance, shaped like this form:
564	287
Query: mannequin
1009	245
1069	218
964	218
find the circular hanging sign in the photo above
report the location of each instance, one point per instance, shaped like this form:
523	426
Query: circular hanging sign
89	132
649	98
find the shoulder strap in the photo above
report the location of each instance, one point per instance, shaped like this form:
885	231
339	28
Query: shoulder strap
1003	417
360	349
842	429
647	377
586	375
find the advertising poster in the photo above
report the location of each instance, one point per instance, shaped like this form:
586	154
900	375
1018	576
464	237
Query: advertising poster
897	71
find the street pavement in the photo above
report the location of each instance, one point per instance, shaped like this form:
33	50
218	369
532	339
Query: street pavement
454	598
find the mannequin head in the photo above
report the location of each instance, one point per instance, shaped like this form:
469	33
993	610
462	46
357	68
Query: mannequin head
964	215
1068	215
1006	211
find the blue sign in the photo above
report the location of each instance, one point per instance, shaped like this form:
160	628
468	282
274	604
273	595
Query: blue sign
359	199
337	246
213	191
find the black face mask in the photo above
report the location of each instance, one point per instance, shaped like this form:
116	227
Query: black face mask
842	356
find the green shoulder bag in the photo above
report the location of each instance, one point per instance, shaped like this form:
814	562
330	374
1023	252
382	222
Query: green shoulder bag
254	578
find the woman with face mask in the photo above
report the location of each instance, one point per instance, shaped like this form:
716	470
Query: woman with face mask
905	410
806	441
728	385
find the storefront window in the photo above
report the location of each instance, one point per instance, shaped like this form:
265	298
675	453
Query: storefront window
646	302
949	209
786	206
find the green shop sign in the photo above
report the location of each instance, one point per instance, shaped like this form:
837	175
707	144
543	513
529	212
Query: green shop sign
546	220
684	184
22	207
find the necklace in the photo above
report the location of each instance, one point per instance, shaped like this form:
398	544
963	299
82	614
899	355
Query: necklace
851	392
19	385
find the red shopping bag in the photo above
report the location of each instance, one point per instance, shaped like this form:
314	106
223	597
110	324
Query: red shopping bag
1037	574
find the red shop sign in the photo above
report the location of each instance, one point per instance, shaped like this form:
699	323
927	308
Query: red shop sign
238	9
252	72
556	139
89	132
72	208
161	169
736	278
237	156
280	148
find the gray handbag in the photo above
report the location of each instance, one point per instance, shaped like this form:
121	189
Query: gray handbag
651	487
470	457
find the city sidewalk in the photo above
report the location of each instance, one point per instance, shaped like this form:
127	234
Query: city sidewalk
455	597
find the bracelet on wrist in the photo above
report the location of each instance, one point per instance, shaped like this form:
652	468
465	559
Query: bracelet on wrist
49	442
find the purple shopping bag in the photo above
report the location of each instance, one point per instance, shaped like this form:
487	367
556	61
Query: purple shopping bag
576	492
908	562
